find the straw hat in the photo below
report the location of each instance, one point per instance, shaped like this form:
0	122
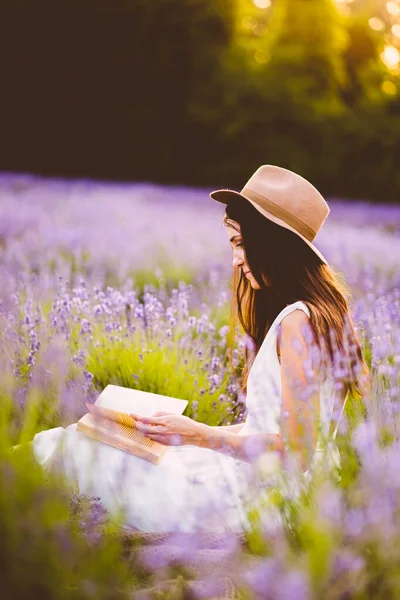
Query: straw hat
285	198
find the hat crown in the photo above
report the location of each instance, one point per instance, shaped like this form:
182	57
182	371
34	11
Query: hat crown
288	196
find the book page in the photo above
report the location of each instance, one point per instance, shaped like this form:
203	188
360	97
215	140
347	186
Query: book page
112	415
126	400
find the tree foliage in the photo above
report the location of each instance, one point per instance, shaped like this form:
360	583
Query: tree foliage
199	92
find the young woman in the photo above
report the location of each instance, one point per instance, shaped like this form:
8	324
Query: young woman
307	359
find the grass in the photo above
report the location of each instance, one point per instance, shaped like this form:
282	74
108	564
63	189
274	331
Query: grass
147	364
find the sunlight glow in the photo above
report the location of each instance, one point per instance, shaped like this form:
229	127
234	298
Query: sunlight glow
393	8
376	24
262	3
396	30
390	56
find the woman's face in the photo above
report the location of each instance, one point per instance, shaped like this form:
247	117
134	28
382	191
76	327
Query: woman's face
239	255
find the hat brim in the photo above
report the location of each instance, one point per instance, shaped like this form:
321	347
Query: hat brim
225	195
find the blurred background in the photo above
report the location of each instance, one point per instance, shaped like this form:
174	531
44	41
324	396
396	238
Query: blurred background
201	92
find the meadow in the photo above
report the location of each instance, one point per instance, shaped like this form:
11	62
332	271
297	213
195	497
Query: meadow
130	284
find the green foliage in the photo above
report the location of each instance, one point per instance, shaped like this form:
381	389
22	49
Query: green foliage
306	43
44	551
148	363
361	57
125	96
149	278
200	92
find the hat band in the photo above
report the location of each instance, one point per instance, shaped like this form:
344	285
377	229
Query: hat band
280	213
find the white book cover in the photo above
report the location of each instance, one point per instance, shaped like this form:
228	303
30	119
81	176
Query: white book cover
127	400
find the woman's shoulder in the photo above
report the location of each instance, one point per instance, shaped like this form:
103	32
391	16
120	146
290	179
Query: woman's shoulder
297	312
293	315
294	323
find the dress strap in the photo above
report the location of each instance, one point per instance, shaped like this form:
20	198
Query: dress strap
290	308
273	330
284	312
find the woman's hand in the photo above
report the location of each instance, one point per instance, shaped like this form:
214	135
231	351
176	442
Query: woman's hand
170	429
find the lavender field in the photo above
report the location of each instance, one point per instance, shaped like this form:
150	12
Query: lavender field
130	284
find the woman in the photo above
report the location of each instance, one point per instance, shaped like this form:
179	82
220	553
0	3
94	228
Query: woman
308	358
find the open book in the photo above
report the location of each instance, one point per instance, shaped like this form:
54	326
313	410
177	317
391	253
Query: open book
108	420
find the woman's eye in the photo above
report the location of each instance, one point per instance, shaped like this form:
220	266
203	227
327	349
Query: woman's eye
239	245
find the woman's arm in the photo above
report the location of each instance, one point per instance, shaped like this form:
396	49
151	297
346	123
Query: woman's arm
235	428
300	381
242	447
299	409
300	404
178	430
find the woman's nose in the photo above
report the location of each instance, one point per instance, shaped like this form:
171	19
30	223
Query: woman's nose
237	260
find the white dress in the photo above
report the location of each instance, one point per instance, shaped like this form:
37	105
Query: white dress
192	489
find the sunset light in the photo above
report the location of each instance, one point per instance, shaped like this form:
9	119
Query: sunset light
376	24
391	57
262	3
393	8
396	30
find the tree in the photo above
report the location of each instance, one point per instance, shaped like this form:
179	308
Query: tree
100	88
306	41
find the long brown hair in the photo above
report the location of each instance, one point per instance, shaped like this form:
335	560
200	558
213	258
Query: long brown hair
288	270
